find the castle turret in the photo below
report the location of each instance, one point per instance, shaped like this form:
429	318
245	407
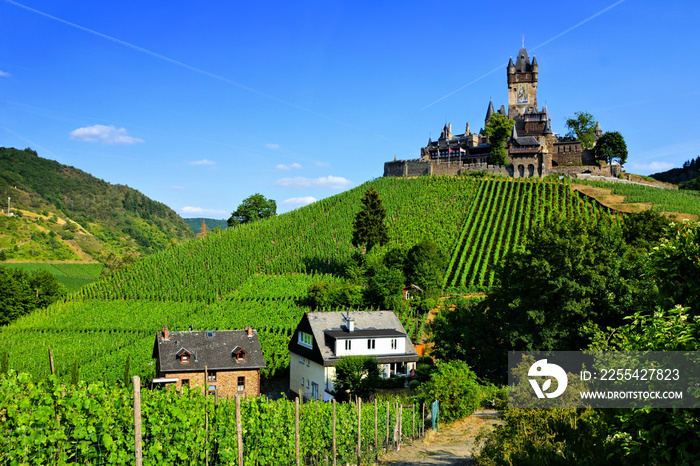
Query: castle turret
522	86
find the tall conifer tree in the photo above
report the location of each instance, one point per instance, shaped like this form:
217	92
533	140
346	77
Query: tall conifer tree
369	229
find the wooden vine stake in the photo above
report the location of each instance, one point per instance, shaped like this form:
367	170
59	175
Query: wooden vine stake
334	432
296	428
138	452
239	431
359	430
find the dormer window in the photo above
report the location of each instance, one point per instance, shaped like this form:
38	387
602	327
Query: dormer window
184	356
238	353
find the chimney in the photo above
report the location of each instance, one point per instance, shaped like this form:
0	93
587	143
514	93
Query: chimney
250	331
351	323
165	333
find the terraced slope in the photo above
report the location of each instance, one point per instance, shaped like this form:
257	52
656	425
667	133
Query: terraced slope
257	274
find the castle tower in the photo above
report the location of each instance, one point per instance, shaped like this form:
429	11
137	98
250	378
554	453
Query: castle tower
522	86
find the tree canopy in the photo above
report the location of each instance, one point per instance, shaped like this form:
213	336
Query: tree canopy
498	130
23	292
611	147
582	127
355	375
369	229
253	208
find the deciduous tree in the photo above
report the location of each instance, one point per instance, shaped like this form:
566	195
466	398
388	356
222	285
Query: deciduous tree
498	130
253	208
611	147
582	127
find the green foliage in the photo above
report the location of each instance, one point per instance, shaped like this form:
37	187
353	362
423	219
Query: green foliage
582	127
253	208
675	265
24	292
454	385
369	229
324	295
498	129
681	176
4	362
48	423
126	379
75	373
355	376
571	272
644	229
692	185
424	267
611	147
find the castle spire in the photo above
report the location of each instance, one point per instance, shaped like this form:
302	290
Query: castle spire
490	111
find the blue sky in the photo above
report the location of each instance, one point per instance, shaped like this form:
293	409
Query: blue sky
200	104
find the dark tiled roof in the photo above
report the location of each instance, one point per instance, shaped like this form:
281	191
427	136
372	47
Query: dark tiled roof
215	352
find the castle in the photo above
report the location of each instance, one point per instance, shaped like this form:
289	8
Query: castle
533	149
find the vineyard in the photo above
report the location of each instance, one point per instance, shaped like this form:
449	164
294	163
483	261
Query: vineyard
49	423
257	275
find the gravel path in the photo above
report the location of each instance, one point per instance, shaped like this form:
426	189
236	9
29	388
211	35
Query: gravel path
453	445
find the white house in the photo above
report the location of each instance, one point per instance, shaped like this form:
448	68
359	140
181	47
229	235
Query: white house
322	338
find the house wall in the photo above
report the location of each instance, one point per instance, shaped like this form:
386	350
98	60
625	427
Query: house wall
359	347
310	372
226	381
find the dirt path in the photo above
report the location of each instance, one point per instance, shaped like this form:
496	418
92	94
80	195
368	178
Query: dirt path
453	445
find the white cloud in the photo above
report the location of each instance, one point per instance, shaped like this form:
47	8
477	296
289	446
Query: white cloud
4	74
322	164
105	134
653	167
199	212
272	146
202	162
288	167
300	182
298	201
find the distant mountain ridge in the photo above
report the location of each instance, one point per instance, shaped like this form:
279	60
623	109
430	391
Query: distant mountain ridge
90	215
688	172
196	223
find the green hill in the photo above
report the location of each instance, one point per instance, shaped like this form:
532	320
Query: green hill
257	274
196	224
62	213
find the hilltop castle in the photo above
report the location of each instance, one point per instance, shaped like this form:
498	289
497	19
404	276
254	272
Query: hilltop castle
533	148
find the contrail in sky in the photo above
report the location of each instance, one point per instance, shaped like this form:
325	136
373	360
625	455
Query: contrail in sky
179	63
533	49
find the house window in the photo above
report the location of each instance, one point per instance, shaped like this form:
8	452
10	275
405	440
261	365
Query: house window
240	356
301	359
348	345
393	343
212	389
306	339
370	343
185	358
241	384
211	377
303	381
185	382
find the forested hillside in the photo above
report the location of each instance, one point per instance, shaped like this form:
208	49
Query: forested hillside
62	213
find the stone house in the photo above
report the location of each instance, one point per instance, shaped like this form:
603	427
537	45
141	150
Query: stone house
226	362
322	338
